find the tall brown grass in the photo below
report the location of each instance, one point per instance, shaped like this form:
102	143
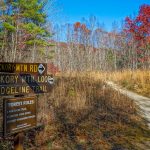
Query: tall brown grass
83	113
134	80
137	81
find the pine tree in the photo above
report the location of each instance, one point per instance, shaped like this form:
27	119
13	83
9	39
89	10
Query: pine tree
22	28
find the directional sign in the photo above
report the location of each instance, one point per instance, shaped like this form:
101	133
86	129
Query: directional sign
19	114
14	84
22	79
24	89
38	79
50	80
13	78
32	68
41	68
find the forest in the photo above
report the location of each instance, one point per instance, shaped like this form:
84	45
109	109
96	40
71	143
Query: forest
25	34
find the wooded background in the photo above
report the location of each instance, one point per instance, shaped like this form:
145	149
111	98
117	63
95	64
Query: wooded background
28	35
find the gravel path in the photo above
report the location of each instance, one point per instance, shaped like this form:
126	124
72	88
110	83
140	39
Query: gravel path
141	101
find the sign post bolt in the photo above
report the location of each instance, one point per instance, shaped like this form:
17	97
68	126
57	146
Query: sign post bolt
18	141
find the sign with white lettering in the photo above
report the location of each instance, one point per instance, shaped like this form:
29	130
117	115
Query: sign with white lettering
32	68
19	114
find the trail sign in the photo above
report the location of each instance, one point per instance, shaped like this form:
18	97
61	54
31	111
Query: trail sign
21	79
13	78
17	89
14	84
32	68
41	69
19	114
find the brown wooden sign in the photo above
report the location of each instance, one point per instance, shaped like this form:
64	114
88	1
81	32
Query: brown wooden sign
13	78
24	89
22	79
15	84
32	68
19	114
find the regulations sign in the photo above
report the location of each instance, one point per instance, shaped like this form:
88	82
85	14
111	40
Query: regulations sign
32	68
19	114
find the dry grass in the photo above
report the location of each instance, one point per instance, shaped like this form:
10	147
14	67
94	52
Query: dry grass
81	113
138	81
134	80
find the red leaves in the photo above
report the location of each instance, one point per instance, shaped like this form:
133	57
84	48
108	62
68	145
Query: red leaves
81	27
77	25
148	39
139	27
51	68
139	51
138	30
145	10
128	21
141	60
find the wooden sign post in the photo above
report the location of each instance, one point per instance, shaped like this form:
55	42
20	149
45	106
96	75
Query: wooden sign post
19	113
18	141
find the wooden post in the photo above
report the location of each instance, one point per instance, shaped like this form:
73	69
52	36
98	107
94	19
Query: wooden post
18	141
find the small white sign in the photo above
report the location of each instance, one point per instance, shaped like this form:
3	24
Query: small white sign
50	80
41	68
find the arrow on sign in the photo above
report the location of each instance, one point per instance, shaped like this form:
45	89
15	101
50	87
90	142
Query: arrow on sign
41	68
50	81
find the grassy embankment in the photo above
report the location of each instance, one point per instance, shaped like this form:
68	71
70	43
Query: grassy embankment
137	81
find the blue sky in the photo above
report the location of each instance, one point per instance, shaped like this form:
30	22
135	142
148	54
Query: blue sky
107	11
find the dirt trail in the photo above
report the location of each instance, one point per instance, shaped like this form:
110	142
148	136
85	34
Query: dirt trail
141	101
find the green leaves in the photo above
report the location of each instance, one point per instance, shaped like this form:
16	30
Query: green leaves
31	14
110	56
32	10
38	42
9	27
33	29
22	26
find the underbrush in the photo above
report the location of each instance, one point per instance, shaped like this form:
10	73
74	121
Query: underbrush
83	113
